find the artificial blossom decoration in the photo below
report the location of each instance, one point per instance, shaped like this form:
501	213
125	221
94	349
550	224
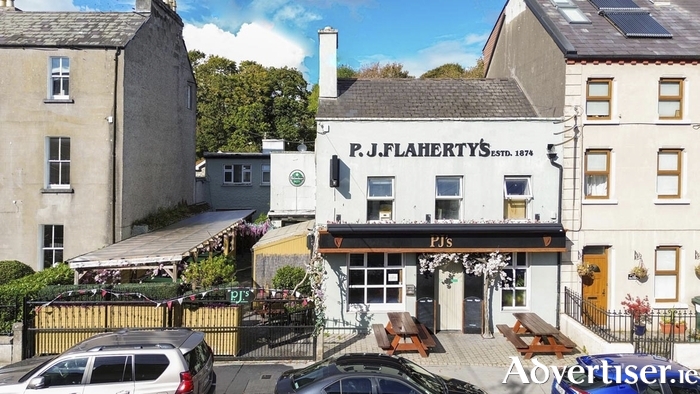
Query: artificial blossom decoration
487	265
316	272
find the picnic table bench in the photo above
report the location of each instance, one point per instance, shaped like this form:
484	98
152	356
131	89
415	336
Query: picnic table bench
546	338
407	333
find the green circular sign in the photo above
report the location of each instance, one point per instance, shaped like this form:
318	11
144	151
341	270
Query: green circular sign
297	178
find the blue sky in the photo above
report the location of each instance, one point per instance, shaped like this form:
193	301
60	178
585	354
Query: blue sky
419	34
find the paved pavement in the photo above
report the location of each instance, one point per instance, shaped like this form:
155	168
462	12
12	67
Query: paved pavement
484	362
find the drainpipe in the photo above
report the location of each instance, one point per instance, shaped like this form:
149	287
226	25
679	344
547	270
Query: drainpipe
552	155
114	146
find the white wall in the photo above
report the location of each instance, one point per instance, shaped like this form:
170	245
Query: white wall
285	197
415	176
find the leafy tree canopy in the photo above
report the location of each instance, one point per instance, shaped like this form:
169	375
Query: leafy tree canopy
374	71
239	105
454	70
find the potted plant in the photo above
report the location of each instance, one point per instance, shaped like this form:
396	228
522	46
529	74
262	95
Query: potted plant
639	309
670	323
639	272
584	269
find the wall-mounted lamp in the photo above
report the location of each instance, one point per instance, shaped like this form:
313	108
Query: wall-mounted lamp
427	218
551	152
337	218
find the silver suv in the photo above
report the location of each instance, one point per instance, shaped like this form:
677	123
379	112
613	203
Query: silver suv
168	361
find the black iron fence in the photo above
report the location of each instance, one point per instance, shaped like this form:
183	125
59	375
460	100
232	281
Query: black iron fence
263	330
653	333
9	314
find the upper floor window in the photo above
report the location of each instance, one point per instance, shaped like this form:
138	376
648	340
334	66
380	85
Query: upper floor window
189	98
380	198
238	174
598	98
666	274
58	170
60	78
597	173
265	174
52	246
668	174
375	278
671	98
448	197
515	287
516	195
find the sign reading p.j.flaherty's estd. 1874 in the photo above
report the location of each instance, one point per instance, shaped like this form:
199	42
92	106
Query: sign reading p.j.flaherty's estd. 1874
434	149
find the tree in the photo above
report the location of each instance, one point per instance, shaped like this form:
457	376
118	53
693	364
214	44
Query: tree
376	71
345	71
454	70
239	105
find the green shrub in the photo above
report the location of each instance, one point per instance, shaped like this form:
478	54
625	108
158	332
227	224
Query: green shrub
29	286
13	269
287	277
153	291
210	272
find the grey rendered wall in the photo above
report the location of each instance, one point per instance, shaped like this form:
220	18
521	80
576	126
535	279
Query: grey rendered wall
25	123
266	266
158	133
226	197
532	58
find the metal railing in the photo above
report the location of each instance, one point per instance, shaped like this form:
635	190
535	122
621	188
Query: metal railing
654	333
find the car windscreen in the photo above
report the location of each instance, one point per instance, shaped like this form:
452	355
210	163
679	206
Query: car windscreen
310	374
35	369
424	377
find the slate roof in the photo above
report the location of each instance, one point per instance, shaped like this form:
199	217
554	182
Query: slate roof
602	40
426	98
68	29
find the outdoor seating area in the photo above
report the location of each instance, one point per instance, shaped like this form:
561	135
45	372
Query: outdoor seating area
408	334
545	337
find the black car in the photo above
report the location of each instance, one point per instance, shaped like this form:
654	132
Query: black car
362	373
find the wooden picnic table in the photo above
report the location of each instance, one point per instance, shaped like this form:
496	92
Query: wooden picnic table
546	338
408	334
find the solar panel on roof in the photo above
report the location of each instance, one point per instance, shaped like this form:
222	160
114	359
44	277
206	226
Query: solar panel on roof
637	24
614	4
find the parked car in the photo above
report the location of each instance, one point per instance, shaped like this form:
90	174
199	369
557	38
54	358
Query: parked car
155	361
368	374
630	367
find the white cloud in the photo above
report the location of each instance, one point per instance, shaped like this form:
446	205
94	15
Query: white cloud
464	52
46	5
255	41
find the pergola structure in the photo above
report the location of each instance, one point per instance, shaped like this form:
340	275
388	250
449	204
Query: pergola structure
167	247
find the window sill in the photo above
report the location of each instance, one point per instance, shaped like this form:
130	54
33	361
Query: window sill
364	308
679	122
57	191
236	184
671	201
669	305
265	184
59	101
602	201
601	122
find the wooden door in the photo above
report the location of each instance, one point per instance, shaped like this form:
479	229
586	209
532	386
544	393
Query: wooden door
595	289
515	209
450	295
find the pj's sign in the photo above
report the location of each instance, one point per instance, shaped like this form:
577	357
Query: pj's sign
433	149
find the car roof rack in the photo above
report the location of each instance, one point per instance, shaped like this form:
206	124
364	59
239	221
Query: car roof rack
144	346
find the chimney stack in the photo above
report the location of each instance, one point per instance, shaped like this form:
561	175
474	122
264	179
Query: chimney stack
328	63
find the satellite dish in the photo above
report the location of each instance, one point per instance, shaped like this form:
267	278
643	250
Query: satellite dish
301	147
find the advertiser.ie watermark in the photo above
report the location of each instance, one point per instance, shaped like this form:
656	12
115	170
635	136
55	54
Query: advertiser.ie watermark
578	374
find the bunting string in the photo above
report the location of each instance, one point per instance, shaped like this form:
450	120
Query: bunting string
257	293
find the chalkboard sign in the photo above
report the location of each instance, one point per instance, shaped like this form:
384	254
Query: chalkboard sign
472	315
425	312
241	295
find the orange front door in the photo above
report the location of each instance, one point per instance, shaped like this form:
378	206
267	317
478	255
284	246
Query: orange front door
595	289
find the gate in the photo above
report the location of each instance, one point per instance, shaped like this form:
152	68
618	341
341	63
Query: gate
267	330
658	345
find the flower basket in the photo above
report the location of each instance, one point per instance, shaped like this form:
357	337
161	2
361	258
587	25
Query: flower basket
697	270
639	309
584	270
639	272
